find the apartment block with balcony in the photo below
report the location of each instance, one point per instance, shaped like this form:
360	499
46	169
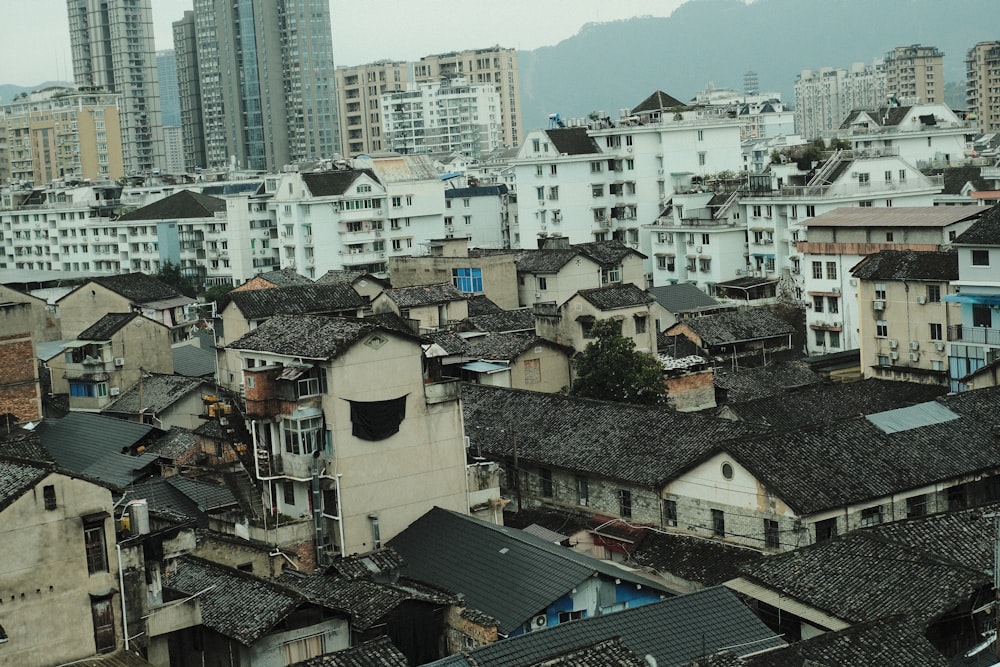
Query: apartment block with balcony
982	82
824	97
915	73
359	98
925	135
904	315
353	428
974	343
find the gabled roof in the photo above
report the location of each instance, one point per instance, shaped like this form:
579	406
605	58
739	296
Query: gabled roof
16	478
284	278
183	498
180	205
121	470
450	342
347	277
616	295
136	287
80	438
104	328
985	231
572	141
545	260
175	443
328	183
501	571
907	265
193	361
956	178
765	381
24	445
607	253
332	298
658	101
505	321
608	653
375	653
234	604
153	394
737	326
696	559
508	347
683	298
882	117
480	304
424	295
673	632
309	336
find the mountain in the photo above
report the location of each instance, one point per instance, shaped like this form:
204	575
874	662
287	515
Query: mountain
9	91
608	66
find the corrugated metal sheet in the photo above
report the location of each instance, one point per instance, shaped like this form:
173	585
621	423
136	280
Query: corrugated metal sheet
785	603
913	416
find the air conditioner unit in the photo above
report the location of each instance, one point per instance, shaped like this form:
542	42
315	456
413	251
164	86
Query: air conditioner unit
914	356
819	323
836	290
119	361
697	249
893	344
114	391
921	300
853	282
914	345
939	346
894	355
659	172
539	622
795	270
878	304
629	149
767	241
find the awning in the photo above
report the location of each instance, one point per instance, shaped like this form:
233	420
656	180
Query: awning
483	367
762	254
985	299
293	372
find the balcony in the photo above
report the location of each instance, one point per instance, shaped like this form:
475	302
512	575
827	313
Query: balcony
977	335
448	389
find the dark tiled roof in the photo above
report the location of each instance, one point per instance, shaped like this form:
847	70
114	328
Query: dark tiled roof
175	443
424	295
984	231
284	278
503	572
329	183
476	191
672	632
658	101
741	325
107	326
375	653
609	653
612	440
156	393
703	561
365	566
183	498
683	298
612	297
121	470
607	253
505	347
572	141
393	322
80	438
16	478
181	205
332	298
234	604
763	381
545	260
884	116
450	342
955	179
193	361
308	336
480	304
24	445
907	265
137	287
505	321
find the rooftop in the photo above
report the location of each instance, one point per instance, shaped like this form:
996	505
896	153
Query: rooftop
136	287
910	216
332	298
308	336
104	328
615	296
153	394
572	141
985	231
181	205
737	326
683	298
424	295
907	265
337	182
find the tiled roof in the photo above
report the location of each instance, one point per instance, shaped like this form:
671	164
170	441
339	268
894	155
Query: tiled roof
424	295
612	297
80	438
153	394
307	336
545	260
174	444
703	561
178	206
330	183
505	347
234	604
955	179
658	101
672	632
183	498
476	191
16	478
683	298
910	216
501	571
918	567
480	304
609	653
107	326
137	287
763	381
121	470
117	658
364	566
24	445
393	322
884	116
985	231
347	277
285	278
193	361
607	253
332	298
572	141
907	265
641	445
505	321
450	342
740	325
375	653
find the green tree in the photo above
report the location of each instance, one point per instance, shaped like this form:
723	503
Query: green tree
216	292
610	368
170	274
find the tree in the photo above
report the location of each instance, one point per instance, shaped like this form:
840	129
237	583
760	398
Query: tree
610	368
170	274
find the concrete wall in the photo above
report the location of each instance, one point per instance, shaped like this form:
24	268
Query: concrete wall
542	368
43	324
566	328
499	274
85	305
692	391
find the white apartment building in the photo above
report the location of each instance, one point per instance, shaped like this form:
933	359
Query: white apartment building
922	134
479	213
824	97
443	117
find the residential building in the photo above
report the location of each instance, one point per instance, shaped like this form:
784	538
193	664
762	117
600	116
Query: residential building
982	77
903	336
62	134
925	135
838	240
533	362
112	49
432	307
20	392
824	97
734	336
480	213
446	116
571	322
70	581
974	343
359	98
265	80
167	401
349	431
189	93
170	103
915	73
558	270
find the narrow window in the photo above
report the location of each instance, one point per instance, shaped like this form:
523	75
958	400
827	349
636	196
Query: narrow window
97	553
49	494
719	523
771	540
545	480
625	503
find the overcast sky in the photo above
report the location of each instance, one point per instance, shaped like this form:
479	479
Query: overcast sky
34	43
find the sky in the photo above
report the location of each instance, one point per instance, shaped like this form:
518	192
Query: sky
34	44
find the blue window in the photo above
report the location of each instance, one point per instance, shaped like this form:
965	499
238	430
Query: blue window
467	280
88	389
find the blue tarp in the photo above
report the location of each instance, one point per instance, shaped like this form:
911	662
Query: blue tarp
987	299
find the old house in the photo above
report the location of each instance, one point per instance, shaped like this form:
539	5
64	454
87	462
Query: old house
534	362
558	270
163	400
20	392
571	322
433	307
737	335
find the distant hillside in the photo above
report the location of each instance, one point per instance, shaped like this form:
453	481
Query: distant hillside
9	91
611	65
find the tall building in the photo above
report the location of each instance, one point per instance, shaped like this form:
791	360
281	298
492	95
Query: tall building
189	92
112	47
265	79
166	68
982	85
360	89
915	73
824	97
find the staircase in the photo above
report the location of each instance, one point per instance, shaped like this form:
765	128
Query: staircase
246	489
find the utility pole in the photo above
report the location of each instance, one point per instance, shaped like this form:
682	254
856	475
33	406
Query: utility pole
517	470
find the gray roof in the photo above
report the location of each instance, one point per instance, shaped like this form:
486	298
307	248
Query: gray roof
153	394
234	604
545	260
121	470
193	361
508	347
658	101
480	304
450	342
107	326
284	278
505	321
309	336
25	445
136	287
501	571
673	632
683	298
738	326
696	559
328	183
183	498
424	295
331	298
81	438
608	653
572	141
908	265
180	205
16	478
763	381
607	253
612	297
983	232
375	653
175	443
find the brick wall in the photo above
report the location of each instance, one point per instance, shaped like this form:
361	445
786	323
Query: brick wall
694	391
19	391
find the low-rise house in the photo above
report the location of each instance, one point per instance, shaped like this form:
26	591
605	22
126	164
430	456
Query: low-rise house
558	270
163	400
736	335
570	323
524	582
20	391
436	306
367	285
275	278
41	318
380	652
682	301
534	363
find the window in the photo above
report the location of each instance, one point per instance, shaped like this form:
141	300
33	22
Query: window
881	328
302	436
288	492
565	616
888	237
597	190
864	178
936	331
705	265
831	270
820	336
701	158
669	512
661	262
640	324
718	523
833	304
540	191
826	530
810	210
554	193
771	540
582	491
587	327
469	281
600	214
981	315
49	494
625	503
539	170
818	304
596	167
888	176
902	175
542	284
916	506
705	238
545	482
834	338
553	169
933	294
957	498
103	615
817	269
871	516
883	360
980	257
880	291
701	135
97	552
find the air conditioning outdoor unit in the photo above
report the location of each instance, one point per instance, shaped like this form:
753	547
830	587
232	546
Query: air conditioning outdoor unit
914	345
119	361
893	344
878	305
114	391
939	346
921	300
894	355
914	356
539	622
836	290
